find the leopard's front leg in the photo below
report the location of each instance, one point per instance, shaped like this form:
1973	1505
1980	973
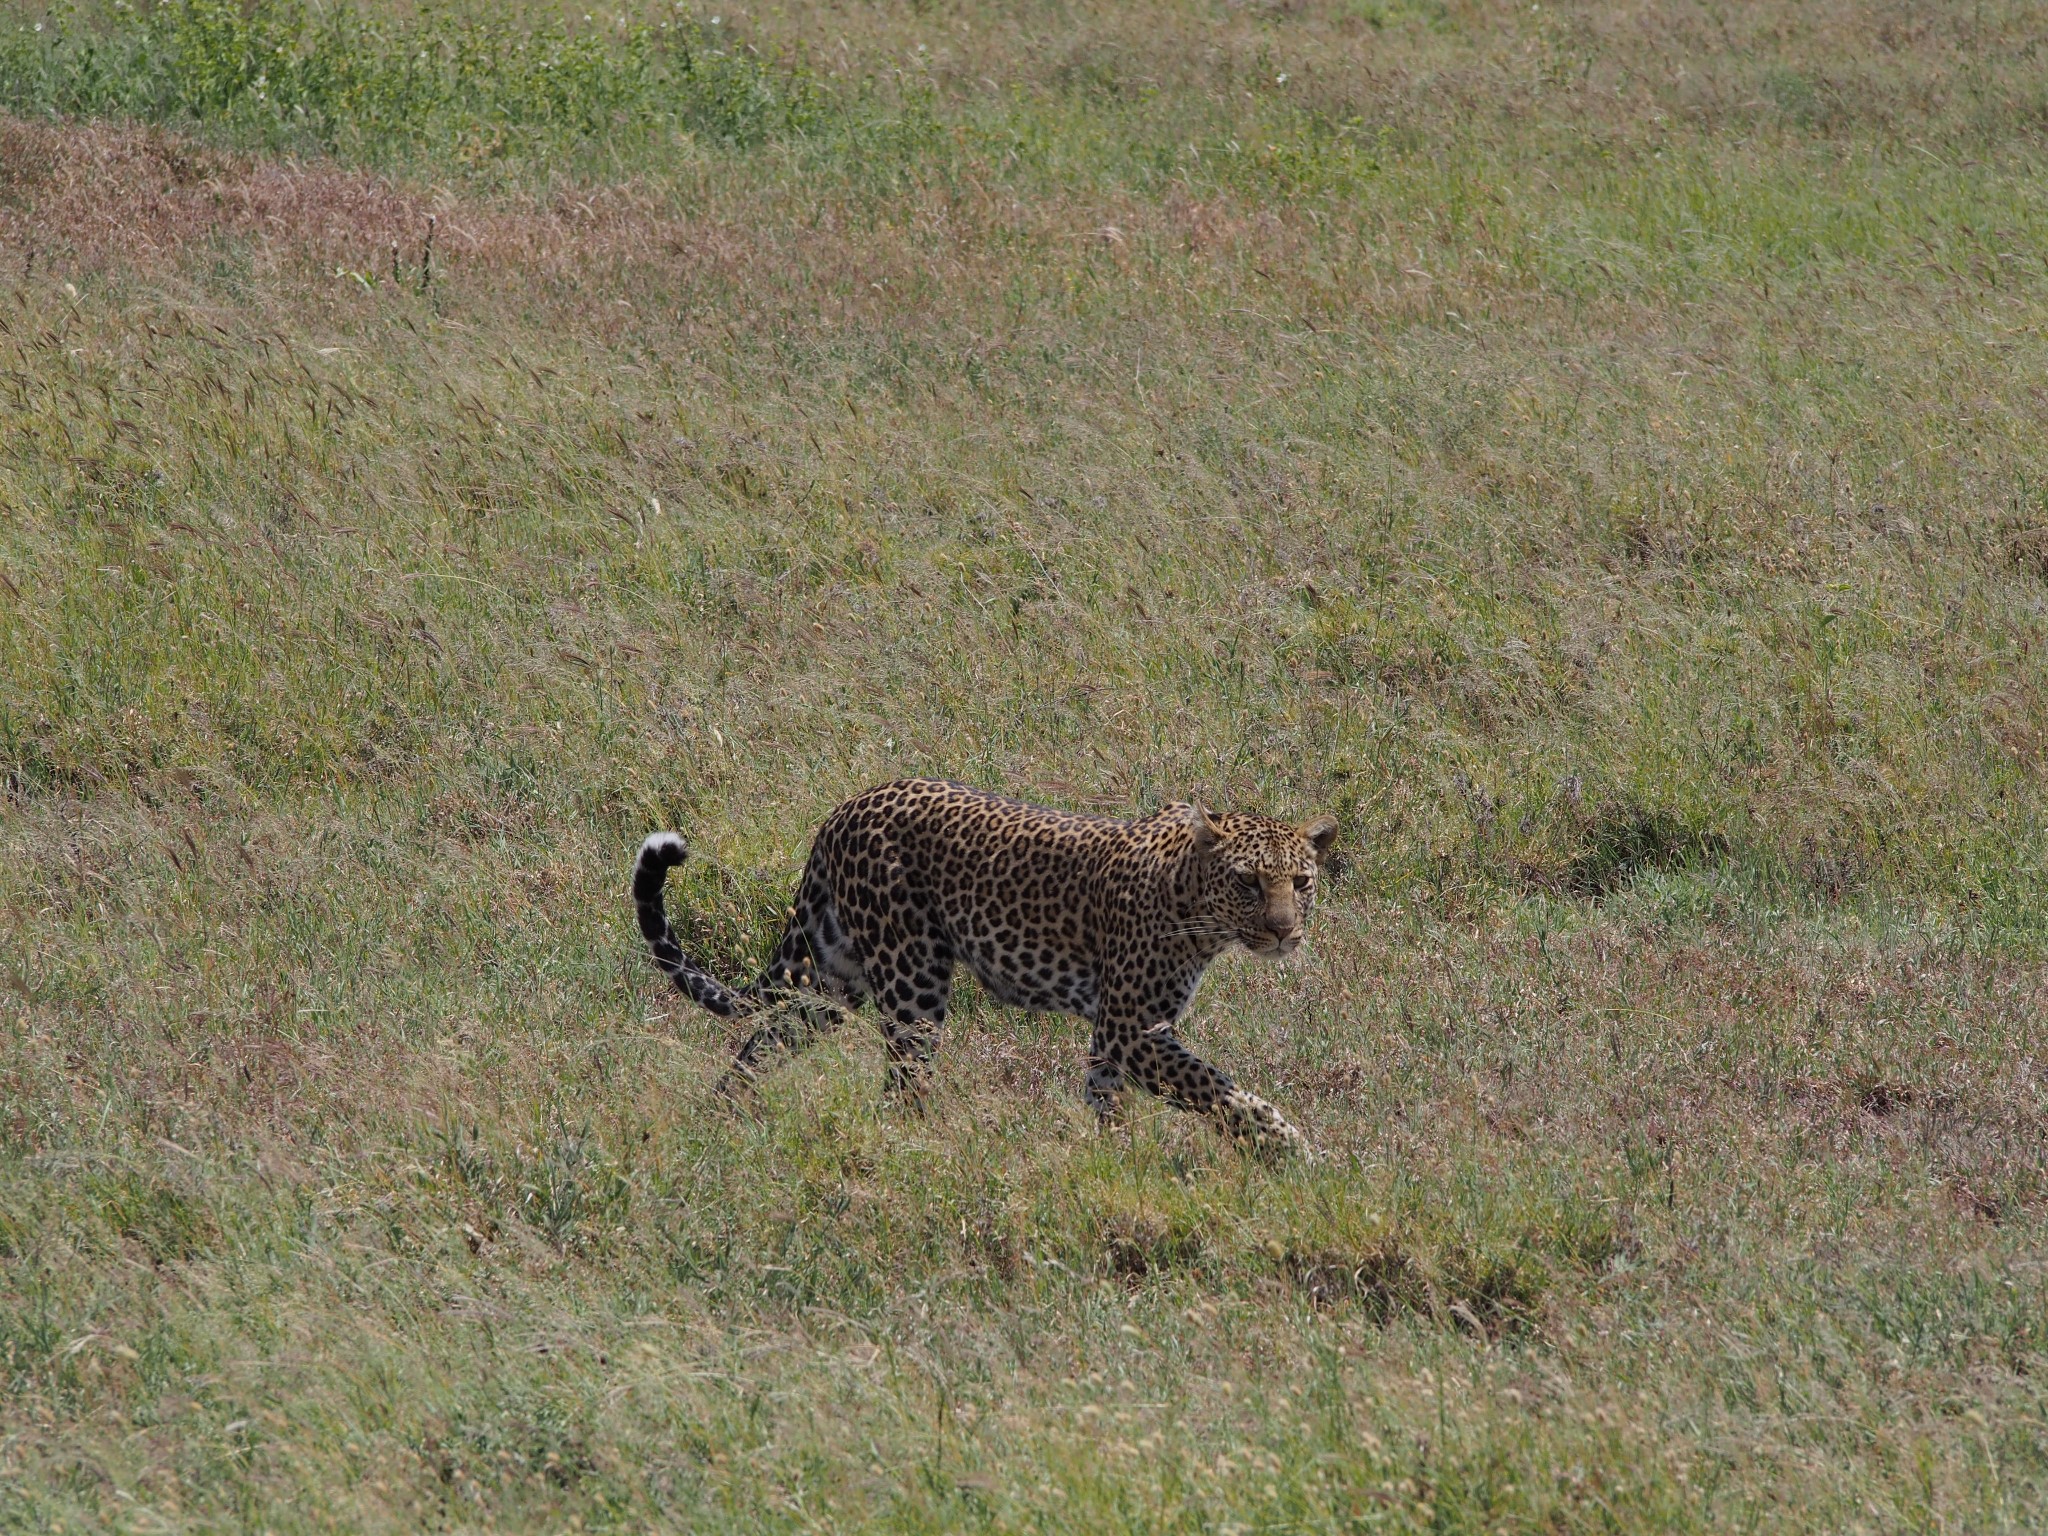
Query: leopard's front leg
1160	1062
1103	1088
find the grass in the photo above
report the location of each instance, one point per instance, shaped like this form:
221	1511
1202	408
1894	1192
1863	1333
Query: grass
473	87
1593	450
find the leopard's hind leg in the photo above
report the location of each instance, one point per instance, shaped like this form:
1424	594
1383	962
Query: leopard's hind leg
806	989
911	978
907	968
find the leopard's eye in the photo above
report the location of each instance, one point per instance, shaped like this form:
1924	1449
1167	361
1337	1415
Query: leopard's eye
1301	882
1251	882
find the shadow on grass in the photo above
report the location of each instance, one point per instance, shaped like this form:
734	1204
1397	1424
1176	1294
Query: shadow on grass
1621	841
1492	1296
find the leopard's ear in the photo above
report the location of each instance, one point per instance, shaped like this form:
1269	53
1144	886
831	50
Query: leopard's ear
1321	831
1207	829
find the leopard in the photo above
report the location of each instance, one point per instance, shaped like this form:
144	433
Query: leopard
1111	921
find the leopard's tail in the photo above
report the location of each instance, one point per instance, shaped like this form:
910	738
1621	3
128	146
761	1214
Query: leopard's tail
658	855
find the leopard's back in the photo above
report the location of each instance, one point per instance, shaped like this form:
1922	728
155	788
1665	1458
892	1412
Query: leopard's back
1018	893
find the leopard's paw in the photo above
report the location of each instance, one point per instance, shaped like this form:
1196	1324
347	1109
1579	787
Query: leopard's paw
1258	1127
1103	1092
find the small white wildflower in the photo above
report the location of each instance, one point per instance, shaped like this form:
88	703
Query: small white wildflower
1281	78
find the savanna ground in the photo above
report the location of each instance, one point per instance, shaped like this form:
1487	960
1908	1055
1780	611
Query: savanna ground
1596	449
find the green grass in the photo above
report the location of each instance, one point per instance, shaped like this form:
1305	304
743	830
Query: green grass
1615	489
473	88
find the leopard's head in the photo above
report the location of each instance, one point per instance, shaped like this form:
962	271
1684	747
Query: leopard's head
1255	878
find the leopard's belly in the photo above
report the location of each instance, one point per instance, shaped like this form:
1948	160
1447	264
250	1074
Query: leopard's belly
1034	979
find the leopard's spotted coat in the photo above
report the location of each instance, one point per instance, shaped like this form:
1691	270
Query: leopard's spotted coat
1112	920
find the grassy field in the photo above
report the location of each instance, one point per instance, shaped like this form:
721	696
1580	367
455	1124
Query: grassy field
1595	449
